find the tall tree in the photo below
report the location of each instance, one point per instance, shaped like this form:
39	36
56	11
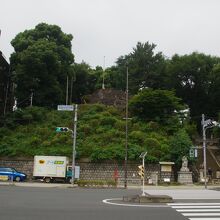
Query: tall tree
146	68
85	80
42	60
214	92
179	145
155	105
190	76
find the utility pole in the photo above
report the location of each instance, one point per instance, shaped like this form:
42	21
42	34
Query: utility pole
74	143
31	99
204	149
103	75
205	125
126	132
6	98
71	90
67	89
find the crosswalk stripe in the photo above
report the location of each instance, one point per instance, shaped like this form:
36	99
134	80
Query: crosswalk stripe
187	204
204	218
201	214
194	207
198	211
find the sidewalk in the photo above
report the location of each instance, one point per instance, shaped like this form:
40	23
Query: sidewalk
36	184
185	192
167	187
147	187
191	194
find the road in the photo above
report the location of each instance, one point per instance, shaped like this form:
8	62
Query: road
39	203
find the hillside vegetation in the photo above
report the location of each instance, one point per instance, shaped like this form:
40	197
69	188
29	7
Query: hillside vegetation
100	135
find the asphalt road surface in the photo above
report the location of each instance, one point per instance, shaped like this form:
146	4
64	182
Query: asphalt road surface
34	203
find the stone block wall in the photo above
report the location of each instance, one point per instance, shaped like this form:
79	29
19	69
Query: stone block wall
106	171
25	166
94	171
166	175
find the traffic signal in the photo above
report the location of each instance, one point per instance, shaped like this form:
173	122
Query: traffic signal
141	171
62	129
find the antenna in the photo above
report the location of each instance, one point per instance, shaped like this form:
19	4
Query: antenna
103	75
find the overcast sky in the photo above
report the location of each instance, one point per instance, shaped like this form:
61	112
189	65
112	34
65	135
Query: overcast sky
111	28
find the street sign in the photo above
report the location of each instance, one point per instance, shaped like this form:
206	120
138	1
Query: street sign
195	152
143	154
65	108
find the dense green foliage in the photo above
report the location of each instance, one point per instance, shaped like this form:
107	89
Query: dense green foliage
194	77
43	59
159	87
146	69
41	62
84	81
100	135
155	105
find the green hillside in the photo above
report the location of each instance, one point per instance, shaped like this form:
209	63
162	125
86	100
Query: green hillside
100	135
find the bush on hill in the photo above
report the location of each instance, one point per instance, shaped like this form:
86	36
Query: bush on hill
100	135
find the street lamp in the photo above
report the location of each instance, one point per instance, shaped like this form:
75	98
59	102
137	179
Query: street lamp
205	125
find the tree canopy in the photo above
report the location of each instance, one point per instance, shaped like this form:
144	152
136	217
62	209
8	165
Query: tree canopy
155	105
41	62
146	69
193	79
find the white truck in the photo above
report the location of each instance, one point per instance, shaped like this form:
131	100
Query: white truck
53	168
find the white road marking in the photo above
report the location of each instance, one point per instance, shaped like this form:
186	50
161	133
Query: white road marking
108	201
201	214
195	203
204	218
198	211
194	206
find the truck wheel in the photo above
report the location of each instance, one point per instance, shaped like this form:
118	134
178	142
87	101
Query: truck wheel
47	179
69	180
17	178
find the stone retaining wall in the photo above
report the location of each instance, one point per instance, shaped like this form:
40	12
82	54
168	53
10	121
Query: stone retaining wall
25	166
94	171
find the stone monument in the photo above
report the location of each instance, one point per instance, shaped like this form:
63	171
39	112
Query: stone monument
184	175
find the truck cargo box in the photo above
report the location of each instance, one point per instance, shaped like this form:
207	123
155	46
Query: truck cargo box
50	166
